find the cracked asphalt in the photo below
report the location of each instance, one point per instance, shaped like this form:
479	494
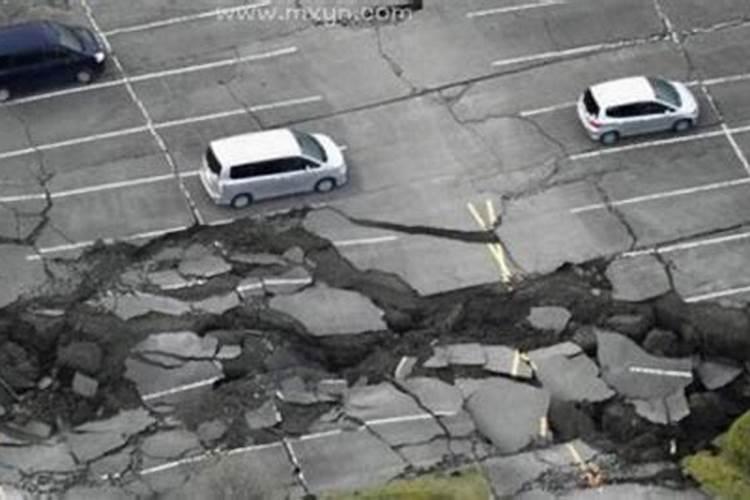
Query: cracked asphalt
468	168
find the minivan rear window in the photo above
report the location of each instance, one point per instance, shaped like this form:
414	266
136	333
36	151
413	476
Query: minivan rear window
591	105
212	163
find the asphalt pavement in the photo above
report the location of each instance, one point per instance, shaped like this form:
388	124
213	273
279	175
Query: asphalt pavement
463	103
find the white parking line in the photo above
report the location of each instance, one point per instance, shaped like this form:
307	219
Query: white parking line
547	109
559	54
660	372
514	8
643	145
662	195
158	125
239	111
688	245
181	388
185	19
717	295
365	241
158	74
41	252
74	142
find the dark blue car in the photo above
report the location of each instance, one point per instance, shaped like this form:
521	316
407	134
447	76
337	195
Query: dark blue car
41	54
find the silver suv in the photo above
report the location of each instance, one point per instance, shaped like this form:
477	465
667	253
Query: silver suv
636	105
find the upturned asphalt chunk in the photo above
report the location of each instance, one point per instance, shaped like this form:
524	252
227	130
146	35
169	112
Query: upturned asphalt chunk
508	413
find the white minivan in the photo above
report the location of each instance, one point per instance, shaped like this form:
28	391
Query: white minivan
245	168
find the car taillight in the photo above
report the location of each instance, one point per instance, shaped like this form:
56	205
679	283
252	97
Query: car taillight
595	123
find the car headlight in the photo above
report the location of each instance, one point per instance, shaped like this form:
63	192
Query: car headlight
99	57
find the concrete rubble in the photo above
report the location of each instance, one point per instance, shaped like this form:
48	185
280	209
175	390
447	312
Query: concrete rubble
204	359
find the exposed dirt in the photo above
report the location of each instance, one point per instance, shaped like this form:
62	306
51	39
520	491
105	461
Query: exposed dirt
34	333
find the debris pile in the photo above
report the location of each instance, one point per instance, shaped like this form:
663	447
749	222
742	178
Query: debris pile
259	339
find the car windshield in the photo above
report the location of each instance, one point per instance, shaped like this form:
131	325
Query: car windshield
66	37
665	91
310	146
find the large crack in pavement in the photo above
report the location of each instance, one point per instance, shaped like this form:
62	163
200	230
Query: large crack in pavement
258	332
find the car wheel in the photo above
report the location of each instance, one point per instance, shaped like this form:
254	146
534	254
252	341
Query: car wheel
242	200
4	95
84	76
682	125
325	185
610	138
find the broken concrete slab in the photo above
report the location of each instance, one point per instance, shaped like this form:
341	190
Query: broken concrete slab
507	361
468	386
218	304
20	276
257	259
426	455
170	279
346	461
227	352
294	254
405	367
468	354
664	411
440	398
131	305
291	281
512	474
373	402
333	387
94	439
716	373
251	287
331	311
508	413
549	318
171	383
439	358
562	349
112	464
259	472
85	385
169	445
211	432
407	432
573	378
52	457
205	266
638	279
634	373
294	390
181	345
267	415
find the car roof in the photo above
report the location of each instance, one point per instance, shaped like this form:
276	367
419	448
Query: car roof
623	91
255	147
24	37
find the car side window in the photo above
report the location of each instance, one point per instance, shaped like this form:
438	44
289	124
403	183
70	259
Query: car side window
626	111
296	164
654	108
243	171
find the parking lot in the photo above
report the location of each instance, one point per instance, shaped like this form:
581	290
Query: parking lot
462	103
